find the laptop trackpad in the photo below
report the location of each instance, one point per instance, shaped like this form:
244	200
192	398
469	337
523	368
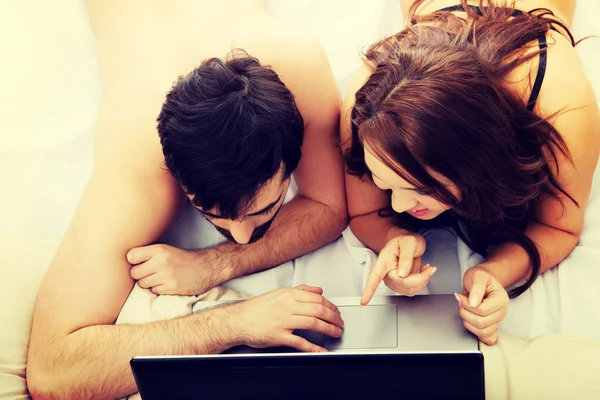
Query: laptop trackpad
369	327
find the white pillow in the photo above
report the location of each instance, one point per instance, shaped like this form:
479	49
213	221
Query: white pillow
23	263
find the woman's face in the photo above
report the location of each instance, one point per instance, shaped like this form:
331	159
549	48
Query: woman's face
405	197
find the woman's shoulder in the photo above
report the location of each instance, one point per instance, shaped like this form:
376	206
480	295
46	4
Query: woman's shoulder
567	93
563	69
564	83
568	102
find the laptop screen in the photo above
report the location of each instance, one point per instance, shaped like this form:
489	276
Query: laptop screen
312	376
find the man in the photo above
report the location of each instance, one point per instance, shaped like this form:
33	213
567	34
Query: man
228	138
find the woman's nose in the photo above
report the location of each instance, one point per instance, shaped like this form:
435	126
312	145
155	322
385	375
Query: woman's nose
403	201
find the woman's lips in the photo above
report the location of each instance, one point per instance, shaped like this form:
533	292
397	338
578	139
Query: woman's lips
418	213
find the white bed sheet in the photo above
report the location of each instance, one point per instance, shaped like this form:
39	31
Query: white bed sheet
49	103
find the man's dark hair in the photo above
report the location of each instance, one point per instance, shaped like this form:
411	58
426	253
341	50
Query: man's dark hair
226	129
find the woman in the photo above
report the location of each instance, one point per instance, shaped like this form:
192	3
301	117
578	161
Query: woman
477	117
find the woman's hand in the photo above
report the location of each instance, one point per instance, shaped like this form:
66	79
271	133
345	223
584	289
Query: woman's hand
483	304
399	266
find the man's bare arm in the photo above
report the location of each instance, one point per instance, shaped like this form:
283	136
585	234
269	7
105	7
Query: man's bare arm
129	201
93	362
302	226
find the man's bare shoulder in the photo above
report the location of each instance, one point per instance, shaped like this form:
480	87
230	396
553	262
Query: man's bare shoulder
359	78
302	64
126	129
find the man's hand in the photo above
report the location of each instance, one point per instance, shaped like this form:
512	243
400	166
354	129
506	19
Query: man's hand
486	305
270	319
168	270
399	266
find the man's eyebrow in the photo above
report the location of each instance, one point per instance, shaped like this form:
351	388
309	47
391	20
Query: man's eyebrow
208	214
267	208
262	211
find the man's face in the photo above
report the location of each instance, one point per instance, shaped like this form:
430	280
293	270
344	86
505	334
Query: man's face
254	225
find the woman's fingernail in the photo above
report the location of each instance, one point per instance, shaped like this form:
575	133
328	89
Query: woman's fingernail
457	298
433	270
474	301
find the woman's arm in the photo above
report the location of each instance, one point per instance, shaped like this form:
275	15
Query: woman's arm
509	263
556	232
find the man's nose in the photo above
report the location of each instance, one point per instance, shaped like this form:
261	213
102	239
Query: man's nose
241	231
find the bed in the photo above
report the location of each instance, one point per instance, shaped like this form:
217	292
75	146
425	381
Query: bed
50	96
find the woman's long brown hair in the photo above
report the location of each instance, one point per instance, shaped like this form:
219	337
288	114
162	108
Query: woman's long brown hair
439	99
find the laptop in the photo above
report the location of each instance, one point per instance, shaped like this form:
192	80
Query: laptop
410	347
